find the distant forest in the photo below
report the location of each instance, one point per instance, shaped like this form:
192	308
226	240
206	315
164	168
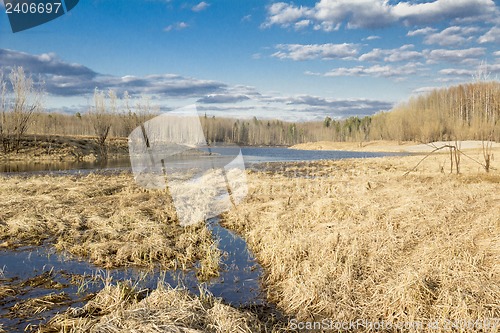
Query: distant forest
468	111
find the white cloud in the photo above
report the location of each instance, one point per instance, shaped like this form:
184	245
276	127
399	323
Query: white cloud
373	37
386	71
488	69
300	52
439	10
246	18
492	36
67	79
457	72
424	90
423	31
302	24
451	36
329	15
176	26
283	14
199	7
458	56
404	53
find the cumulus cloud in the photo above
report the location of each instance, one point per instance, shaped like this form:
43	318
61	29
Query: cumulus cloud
423	31
457	56
300	52
492	36
176	26
199	7
451	36
329	15
471	73
44	63
222	99
329	106
424	90
66	79
404	53
386	71
457	72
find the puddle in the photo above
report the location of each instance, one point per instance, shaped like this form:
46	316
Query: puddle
61	281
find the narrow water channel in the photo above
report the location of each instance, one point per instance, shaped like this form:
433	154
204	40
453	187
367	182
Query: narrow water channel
40	271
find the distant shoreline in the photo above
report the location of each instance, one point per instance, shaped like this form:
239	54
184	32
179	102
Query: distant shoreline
391	146
64	148
85	148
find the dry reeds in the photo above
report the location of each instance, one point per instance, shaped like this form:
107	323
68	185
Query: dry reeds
356	240
106	219
121	308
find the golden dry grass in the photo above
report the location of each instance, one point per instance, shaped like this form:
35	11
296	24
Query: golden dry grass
106	219
121	308
356	239
33	306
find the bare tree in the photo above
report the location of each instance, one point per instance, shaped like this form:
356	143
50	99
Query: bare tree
3	111
101	117
18	107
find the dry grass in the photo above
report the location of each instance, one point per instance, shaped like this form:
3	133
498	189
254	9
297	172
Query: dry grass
106	219
64	148
5	291
356	239
33	306
122	308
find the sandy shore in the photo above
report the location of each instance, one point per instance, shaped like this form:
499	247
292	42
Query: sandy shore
390	146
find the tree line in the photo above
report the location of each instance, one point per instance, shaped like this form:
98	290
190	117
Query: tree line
468	111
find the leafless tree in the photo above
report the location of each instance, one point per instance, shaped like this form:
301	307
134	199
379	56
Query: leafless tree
101	117
18	107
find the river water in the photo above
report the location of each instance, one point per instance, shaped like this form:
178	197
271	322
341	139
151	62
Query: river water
251	156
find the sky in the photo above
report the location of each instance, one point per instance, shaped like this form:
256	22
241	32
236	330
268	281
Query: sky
294	61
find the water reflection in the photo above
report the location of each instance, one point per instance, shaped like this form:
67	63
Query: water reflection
251	155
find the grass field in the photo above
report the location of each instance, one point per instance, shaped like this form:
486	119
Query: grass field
358	240
345	241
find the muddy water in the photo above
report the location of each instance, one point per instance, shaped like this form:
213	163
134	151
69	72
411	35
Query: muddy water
37	272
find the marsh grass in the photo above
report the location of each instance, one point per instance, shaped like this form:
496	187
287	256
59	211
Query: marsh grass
33	306
105	219
123	308
355	239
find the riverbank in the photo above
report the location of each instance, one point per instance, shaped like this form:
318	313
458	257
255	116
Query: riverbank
64	148
391	146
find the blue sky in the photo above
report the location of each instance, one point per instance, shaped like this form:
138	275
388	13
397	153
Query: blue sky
301	60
